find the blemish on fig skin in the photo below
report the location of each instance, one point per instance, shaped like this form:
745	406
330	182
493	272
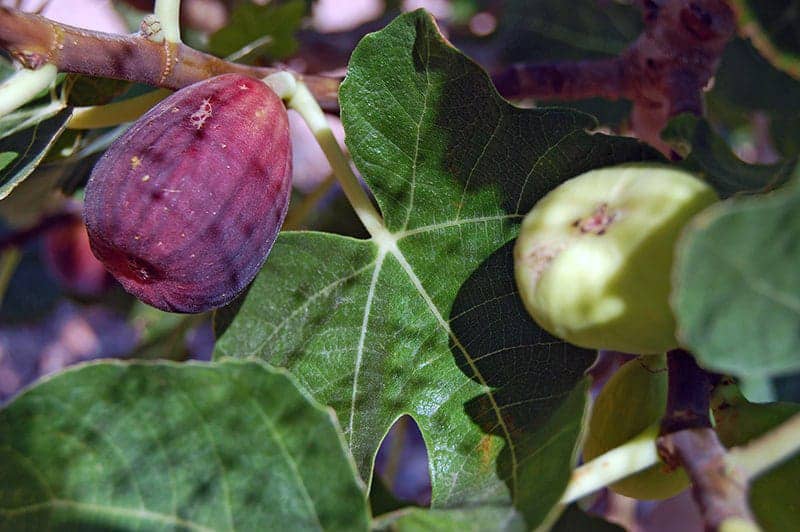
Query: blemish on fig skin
203	113
540	258
598	222
135	162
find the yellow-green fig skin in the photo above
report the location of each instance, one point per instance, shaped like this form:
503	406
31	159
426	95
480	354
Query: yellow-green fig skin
633	400
594	257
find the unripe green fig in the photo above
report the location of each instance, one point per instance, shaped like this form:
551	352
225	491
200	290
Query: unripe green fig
184	207
632	401
775	495
593	259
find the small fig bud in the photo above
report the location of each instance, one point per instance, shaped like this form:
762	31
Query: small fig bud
184	207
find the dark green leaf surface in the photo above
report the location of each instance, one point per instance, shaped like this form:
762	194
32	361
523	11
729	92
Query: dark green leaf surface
710	156
231	446
777	22
30	144
269	27
574	519
737	293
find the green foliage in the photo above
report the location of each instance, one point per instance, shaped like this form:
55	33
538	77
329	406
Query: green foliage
231	446
737	285
777	22
28	134
774	497
398	324
269	28
708	155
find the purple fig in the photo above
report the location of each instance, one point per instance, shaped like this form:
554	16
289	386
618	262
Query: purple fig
184	207
70	261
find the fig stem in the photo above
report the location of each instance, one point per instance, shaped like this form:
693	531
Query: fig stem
168	13
23	86
113	114
304	103
769	450
629	458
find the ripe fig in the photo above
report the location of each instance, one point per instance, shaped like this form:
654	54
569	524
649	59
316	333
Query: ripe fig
184	207
633	400
70	261
594	257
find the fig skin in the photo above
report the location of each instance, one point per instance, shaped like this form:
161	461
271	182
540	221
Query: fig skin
184	207
70	261
633	400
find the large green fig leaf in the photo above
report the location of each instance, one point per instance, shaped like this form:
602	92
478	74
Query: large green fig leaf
230	446
424	319
737	291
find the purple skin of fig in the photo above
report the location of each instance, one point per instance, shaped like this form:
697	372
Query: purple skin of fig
70	261
184	207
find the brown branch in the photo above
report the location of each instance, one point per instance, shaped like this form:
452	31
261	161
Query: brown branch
34	40
688	440
663	72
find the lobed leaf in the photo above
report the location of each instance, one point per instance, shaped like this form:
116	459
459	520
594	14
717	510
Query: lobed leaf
425	319
230	446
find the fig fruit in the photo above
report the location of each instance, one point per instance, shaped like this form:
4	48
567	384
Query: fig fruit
594	256
69	259
632	401
184	207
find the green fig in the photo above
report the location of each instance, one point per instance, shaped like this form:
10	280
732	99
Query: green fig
632	401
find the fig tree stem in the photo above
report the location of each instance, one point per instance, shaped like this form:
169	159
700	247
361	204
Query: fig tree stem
304	103
618	463
168	13
113	114
34	40
23	86
719	488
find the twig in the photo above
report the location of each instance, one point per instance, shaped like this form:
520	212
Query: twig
34	41
688	440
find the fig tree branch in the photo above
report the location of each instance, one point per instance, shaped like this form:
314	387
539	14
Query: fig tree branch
663	72
688	440
35	41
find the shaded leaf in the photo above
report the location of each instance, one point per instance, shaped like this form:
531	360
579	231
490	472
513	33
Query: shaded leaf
776	24
737	285
118	446
271	27
774	497
425	318
31	144
575	519
747	80
710	156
